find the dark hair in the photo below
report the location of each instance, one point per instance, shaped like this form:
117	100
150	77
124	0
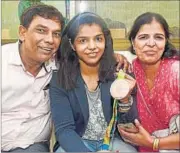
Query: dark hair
45	11
147	18
67	59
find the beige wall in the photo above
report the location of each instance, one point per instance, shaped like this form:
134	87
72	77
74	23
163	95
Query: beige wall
10	20
123	11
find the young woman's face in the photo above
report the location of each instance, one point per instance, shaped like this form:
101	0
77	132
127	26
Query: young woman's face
89	44
149	43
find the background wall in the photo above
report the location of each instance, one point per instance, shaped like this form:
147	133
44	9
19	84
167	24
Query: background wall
119	15
126	11
10	19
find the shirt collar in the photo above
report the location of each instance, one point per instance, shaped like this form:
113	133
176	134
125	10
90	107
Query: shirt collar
15	59
49	65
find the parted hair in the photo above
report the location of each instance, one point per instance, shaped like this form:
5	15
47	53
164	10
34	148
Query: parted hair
147	18
68	60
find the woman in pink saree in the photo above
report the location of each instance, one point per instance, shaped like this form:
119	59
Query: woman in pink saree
156	70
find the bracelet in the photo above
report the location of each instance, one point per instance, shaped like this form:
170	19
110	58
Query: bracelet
124	107
156	144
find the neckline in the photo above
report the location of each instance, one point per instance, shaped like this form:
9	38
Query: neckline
96	89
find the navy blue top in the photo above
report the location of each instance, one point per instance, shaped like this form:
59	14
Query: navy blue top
70	113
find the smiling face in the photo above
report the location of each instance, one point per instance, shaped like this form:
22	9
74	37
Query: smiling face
89	44
40	40
149	43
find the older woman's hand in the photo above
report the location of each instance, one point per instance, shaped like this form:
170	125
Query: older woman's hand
140	138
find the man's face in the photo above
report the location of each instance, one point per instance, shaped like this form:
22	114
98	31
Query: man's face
40	40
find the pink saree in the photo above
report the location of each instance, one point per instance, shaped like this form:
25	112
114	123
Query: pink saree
163	99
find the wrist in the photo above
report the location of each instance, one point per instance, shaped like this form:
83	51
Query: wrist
155	145
151	141
125	106
125	100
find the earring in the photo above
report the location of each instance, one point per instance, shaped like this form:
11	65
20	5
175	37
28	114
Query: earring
71	44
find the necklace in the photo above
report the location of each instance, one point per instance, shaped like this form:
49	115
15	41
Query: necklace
93	95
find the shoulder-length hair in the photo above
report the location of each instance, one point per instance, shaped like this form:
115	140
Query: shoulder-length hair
147	18
68	60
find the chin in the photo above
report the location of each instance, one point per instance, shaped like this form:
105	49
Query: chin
151	62
45	58
93	63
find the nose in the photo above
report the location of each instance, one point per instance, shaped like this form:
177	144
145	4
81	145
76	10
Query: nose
151	42
92	45
49	38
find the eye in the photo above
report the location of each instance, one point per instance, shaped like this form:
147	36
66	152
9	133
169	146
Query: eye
99	38
159	37
82	41
57	34
143	37
40	30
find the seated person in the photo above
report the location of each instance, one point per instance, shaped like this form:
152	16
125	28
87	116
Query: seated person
81	103
156	71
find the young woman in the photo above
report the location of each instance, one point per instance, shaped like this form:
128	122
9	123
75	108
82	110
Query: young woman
80	90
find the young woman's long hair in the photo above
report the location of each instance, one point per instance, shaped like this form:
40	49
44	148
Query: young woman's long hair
67	59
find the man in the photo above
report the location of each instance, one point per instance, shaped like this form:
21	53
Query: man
26	73
26	123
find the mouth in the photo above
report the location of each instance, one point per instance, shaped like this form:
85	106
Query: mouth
92	54
150	52
46	49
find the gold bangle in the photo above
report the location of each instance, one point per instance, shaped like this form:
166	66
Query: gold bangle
156	144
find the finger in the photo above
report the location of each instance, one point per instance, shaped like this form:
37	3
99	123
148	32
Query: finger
140	127
119	59
126	134
116	74
119	65
126	65
128	77
128	138
132	130
137	123
121	128
130	70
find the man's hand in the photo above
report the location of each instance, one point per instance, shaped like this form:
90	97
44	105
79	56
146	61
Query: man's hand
122	61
